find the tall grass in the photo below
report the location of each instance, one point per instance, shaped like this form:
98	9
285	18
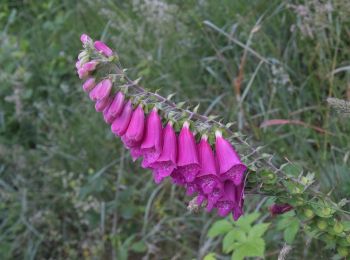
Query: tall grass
67	188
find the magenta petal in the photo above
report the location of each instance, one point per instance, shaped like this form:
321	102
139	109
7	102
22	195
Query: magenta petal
121	123
166	162
84	38
82	73
213	198
89	84
200	199
102	104
151	146
134	133
277	209
191	188
239	201
117	105
227	202
103	48
135	153
207	178
102	90
230	165
187	162
90	66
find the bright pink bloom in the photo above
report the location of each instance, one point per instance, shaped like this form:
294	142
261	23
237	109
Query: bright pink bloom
90	66
86	68
214	196
239	201
89	84
121	123
103	48
277	209
230	165
191	188
84	38
101	104
78	64
134	133
102	90
227	202
135	152
115	108
151	146
187	161
166	162
82	73
207	178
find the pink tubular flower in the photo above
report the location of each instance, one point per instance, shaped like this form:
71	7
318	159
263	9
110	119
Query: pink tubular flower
166	162
121	123
134	133
207	178
277	209
90	66
187	161
239	201
230	165
151	146
115	108
78	64
102	104
89	84
84	38
103	48
228	201
101	90
214	196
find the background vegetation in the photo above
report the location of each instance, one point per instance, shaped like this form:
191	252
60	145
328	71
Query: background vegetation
67	188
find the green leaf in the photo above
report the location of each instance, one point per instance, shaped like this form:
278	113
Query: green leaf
258	230
220	227
291	231
235	235
246	221
139	247
252	247
293	170
210	256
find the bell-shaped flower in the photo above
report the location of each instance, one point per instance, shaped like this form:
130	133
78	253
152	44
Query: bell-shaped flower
121	123
86	68
135	152
166	162
228	200
151	146
207	178
84	38
187	161
89	84
230	165
101	104
134	133
239	201
214	196
277	209
115	108
103	48
102	90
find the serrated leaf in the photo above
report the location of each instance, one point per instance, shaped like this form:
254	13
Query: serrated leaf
219	227
235	235
258	230
292	169
291	231
246	221
253	247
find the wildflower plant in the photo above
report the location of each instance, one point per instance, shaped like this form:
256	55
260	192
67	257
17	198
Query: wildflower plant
201	154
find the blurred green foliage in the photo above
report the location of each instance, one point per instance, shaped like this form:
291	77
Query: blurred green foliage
67	188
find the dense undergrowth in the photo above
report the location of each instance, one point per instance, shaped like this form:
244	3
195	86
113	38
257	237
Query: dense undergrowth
67	187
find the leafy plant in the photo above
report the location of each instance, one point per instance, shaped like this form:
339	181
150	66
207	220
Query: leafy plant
243	238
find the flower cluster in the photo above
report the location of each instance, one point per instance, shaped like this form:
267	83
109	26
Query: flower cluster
213	171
